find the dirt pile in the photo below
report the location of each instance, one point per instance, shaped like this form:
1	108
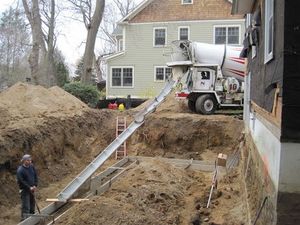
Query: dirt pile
24	104
154	192
58	130
63	135
171	104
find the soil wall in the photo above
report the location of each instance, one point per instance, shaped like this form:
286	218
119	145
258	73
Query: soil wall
59	147
186	135
260	189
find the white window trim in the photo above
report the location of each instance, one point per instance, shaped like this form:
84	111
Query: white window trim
166	39
183	27
122	67
229	25
160	81
124	38
268	56
186	3
248	20
119	45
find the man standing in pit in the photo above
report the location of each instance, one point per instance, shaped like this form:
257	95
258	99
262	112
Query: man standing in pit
27	180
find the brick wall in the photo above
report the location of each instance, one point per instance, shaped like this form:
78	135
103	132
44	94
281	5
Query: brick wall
173	10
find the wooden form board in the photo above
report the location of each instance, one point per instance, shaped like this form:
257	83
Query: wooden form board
70	200
274	117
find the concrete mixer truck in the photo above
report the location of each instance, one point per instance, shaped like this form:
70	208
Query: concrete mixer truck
210	76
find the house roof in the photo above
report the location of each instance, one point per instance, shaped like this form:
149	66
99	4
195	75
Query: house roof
139	8
150	11
242	6
112	56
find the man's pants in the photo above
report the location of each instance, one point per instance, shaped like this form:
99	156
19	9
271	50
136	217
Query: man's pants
28	203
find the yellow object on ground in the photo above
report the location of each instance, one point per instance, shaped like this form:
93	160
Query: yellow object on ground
121	107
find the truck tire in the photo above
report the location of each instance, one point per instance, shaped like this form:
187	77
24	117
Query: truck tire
191	105
206	104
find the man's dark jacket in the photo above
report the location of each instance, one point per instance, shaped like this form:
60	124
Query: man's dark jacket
27	177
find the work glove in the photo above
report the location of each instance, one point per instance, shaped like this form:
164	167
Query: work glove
33	189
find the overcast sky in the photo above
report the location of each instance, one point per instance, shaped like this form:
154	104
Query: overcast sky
72	35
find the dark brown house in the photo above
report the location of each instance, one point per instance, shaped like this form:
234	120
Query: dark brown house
272	107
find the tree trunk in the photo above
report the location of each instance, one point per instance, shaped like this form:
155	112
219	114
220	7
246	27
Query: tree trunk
51	75
97	63
40	60
90	42
34	19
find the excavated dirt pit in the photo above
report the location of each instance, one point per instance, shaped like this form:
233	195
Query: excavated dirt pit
63	135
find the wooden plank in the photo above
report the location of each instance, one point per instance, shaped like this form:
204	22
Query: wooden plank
265	114
70	200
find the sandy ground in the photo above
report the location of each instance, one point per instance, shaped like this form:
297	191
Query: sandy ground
64	135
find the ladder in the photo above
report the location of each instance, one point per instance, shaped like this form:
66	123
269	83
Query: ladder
121	152
85	174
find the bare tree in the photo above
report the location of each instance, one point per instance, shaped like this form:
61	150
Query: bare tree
41	57
92	22
34	19
114	11
14	46
90	42
124	6
111	13
48	19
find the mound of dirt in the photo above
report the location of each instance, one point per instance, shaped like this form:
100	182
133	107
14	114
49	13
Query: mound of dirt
154	192
63	135
171	104
27	103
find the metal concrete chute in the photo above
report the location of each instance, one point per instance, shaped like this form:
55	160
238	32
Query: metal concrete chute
74	185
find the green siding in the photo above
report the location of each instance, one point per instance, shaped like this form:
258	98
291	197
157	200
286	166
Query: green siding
140	53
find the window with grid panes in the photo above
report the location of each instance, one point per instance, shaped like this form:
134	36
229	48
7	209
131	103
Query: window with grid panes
161	73
116	76
122	77
227	35
160	36
127	77
168	72
220	35
183	33
233	35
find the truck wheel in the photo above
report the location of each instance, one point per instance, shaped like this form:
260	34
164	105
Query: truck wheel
191	105
206	104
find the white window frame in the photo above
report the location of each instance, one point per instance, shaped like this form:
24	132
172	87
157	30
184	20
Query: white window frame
227	26
183	27
164	67
121	67
269	37
186	3
120	45
248	20
166	37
